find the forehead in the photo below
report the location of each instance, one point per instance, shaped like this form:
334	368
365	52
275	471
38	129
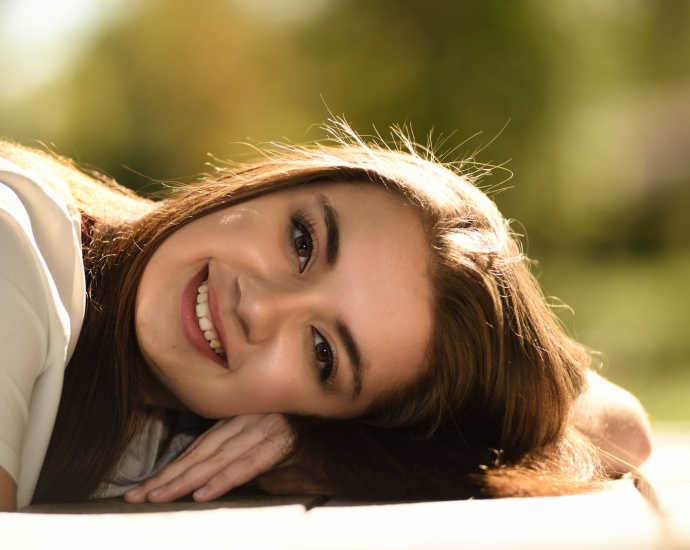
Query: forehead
380	284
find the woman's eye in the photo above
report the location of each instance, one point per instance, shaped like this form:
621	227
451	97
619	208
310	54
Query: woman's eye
324	357
302	242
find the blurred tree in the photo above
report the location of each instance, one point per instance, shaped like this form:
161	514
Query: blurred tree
597	94
186	78
582	85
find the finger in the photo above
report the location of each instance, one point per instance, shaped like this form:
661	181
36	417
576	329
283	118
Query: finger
211	439
265	432
253	463
200	473
226	425
202	447
264	426
272	450
174	469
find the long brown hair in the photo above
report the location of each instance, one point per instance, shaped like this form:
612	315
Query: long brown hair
488	417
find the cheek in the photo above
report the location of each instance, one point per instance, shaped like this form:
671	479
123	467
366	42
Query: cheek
238	228
154	317
275	377
246	241
145	328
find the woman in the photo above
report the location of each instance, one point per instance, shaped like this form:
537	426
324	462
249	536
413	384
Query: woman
376	299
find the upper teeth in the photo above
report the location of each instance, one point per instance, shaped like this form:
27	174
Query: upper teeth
205	323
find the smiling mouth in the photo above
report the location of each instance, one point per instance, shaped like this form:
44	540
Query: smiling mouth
203	316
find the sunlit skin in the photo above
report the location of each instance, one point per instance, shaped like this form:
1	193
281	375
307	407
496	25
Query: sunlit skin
267	310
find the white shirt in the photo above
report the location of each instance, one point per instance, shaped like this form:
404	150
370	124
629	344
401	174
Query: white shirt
42	296
145	456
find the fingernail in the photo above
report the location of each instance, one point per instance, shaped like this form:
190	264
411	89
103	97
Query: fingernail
134	491
200	493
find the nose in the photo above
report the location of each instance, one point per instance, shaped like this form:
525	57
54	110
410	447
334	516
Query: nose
264	305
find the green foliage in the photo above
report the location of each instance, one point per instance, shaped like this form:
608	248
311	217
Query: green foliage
595	95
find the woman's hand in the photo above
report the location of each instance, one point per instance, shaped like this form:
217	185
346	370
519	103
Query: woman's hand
232	452
615	421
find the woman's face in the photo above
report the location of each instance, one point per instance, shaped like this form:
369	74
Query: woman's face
318	297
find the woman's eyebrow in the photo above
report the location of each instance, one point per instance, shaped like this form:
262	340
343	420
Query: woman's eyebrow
355	356
330	218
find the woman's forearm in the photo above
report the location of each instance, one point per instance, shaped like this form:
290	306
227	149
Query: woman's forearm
615	421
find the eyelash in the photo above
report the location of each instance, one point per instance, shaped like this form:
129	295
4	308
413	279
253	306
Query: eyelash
301	223
328	372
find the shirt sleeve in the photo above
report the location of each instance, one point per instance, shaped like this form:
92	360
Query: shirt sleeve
23	326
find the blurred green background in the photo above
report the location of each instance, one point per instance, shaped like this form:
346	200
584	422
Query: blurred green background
596	94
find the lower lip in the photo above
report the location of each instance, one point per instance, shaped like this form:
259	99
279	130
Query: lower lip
190	323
